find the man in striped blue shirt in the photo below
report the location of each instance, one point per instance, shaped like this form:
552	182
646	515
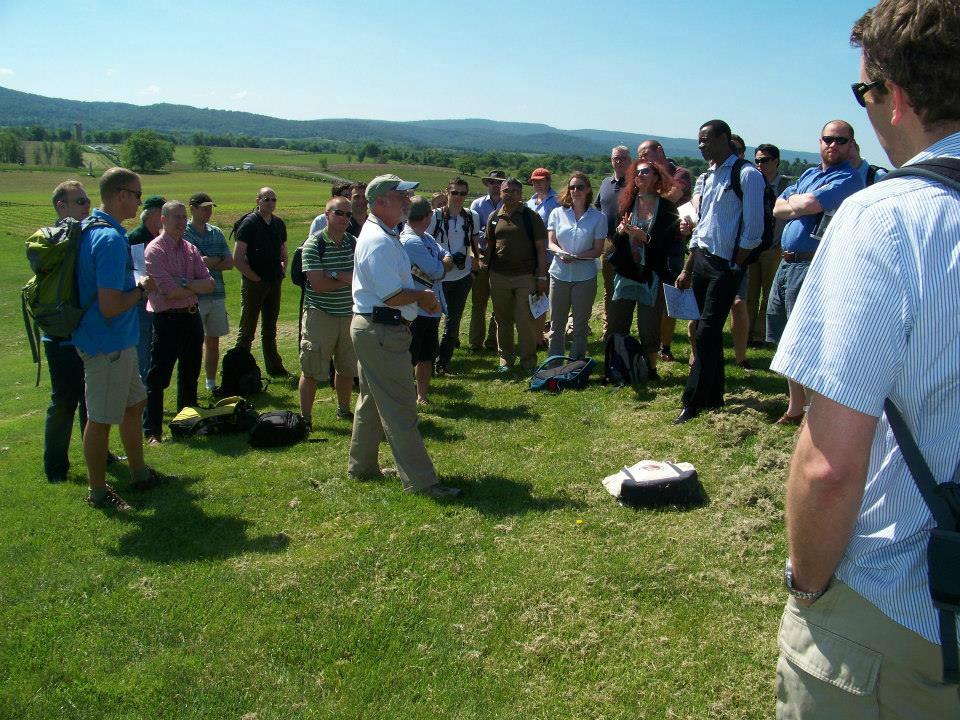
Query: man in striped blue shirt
877	319
728	229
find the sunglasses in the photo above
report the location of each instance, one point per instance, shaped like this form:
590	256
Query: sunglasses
458	193
831	139
577	187
342	213
765	160
268	199
861	89
138	193
645	171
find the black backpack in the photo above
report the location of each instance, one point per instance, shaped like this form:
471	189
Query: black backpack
278	429
231	414
441	226
240	374
769	222
239	222
624	362
872	171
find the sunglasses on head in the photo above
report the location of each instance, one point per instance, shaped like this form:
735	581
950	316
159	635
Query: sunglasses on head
831	139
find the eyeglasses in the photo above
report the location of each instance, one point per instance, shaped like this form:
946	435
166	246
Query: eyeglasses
138	193
620	158
82	201
342	213
765	160
645	171
458	193
831	139
860	89
580	187
268	199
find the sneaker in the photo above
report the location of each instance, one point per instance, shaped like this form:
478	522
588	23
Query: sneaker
745	365
439	369
154	440
154	479
110	501
665	354
344	414
437	491
114	459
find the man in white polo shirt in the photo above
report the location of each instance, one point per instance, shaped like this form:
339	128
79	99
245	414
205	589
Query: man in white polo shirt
385	302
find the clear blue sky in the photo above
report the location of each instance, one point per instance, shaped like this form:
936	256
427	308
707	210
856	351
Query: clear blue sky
776	71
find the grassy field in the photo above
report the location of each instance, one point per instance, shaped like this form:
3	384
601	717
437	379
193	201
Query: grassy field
268	585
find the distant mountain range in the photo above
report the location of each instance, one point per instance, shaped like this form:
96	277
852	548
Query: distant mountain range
20	108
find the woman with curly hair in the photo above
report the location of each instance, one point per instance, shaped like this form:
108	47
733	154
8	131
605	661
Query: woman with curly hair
575	233
649	225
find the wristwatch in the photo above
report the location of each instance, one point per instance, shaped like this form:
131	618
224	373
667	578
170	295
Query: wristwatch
183	282
334	275
799	594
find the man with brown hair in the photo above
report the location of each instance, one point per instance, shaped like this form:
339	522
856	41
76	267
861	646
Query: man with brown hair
106	340
873	337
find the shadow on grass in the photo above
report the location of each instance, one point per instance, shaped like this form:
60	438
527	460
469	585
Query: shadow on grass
495	496
459	410
180	531
430	429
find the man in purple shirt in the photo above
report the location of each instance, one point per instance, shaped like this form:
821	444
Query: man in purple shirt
178	269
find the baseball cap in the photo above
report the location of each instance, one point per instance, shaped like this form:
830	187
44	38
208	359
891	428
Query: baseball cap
153	201
201	199
383	184
540	174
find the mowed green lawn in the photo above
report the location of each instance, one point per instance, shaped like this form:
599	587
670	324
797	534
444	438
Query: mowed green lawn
268	584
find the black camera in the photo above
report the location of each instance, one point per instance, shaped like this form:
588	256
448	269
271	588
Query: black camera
460	260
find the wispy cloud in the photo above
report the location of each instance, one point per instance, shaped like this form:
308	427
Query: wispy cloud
6	72
149	90
240	95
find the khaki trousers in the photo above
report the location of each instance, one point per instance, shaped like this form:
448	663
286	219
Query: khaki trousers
480	336
761	275
841	658
511	306
387	405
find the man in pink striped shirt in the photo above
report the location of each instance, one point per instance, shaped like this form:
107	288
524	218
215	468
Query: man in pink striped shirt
180	274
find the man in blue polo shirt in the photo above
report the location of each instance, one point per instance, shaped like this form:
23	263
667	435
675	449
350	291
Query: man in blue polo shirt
106	340
807	206
877	319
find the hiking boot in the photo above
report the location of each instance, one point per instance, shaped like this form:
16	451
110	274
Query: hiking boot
153	479
344	414
110	501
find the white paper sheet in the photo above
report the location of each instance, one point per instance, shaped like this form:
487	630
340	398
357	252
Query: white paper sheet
139	262
689	213
681	304
539	304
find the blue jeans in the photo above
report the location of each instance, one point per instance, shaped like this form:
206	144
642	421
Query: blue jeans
783	295
66	395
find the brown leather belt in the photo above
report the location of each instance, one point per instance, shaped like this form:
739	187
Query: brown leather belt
187	310
792	257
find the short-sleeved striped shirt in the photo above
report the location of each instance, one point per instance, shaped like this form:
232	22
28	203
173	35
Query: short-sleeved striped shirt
211	244
335	257
877	318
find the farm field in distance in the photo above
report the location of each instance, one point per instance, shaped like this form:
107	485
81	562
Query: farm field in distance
267	584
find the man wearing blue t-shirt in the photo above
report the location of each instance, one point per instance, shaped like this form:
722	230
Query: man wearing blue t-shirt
106	340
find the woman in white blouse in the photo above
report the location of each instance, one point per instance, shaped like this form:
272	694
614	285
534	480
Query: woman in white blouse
575	232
